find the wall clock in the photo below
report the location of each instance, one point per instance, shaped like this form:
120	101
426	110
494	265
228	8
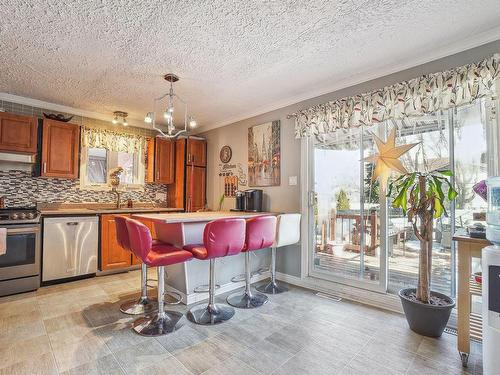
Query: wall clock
225	154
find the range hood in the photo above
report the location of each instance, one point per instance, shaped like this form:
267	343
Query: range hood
16	162
7	157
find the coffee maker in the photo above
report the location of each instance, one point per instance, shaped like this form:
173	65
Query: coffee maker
249	200
240	201
253	200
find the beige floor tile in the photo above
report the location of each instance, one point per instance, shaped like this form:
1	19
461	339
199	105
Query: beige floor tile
387	355
360	366
107	365
119	336
69	356
24	350
169	366
68	321
35	365
201	357
138	357
263	356
231	366
12	334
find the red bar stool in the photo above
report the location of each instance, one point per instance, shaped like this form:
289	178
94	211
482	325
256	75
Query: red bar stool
145	304
155	255
260	234
223	237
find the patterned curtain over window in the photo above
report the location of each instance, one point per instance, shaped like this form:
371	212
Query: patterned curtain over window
416	97
102	138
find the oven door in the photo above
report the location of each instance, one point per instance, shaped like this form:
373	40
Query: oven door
23	252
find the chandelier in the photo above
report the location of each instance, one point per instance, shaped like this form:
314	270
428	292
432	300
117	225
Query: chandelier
120	118
166	105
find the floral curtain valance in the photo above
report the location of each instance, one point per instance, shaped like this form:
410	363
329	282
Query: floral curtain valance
416	97
102	138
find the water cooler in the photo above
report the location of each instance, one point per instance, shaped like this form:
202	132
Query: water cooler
491	282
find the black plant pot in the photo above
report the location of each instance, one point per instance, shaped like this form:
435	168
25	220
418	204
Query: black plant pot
425	319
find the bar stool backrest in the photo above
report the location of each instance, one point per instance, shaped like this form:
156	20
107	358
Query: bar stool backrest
140	238
224	237
288	230
122	232
261	232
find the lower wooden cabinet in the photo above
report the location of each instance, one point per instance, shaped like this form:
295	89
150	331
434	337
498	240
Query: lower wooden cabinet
113	256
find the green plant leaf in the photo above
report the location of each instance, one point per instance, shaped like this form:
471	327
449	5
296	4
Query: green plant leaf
438	208
446	172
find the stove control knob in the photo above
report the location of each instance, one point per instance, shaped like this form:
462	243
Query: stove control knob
22	216
14	216
30	215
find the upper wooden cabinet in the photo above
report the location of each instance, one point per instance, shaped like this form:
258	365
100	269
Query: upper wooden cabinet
195	188
161	159
60	149
18	133
197	152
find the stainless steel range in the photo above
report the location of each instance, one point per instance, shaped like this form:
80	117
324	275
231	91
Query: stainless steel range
20	264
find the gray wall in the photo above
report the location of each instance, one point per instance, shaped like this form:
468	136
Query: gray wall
286	198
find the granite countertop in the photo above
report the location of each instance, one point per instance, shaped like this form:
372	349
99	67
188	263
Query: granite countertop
193	217
98	209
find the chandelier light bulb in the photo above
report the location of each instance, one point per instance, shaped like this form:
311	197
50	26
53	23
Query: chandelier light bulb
115	121
148	119
125	123
192	122
167	115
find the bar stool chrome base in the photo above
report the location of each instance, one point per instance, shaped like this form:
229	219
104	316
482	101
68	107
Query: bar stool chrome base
143	306
271	288
207	315
247	301
158	326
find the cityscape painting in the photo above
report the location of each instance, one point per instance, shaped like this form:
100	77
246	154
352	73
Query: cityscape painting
264	154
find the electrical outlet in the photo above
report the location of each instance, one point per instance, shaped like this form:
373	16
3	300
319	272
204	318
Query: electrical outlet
292	180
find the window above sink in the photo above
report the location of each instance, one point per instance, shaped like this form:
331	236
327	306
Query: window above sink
96	164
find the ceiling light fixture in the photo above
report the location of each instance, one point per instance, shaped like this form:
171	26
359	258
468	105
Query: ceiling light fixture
120	118
170	130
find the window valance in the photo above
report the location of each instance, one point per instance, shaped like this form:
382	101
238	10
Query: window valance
102	138
416	97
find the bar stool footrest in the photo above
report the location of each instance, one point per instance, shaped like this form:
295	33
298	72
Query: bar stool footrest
204	288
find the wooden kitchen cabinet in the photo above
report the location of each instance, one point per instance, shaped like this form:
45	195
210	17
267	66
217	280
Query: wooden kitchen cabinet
197	152
195	188
161	161
60	149
18	133
113	256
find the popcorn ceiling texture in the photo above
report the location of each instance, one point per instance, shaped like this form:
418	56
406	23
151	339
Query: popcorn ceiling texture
234	57
21	189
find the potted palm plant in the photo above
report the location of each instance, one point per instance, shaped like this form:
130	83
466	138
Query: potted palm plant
421	196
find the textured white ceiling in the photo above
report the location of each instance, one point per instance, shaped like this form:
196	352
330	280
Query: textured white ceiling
235	58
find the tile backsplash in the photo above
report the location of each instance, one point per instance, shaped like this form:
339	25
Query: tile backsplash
21	189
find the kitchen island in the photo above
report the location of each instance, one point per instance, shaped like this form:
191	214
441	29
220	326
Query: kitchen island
181	229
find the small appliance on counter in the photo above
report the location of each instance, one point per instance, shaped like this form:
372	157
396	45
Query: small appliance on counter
240	201
248	200
253	200
491	281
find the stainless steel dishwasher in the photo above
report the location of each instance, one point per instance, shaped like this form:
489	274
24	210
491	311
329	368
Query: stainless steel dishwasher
70	246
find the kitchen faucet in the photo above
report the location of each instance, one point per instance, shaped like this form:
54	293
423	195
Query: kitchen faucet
118	194
114	177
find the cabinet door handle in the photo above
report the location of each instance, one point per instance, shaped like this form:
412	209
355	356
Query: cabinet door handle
157	175
45	167
189	158
72	223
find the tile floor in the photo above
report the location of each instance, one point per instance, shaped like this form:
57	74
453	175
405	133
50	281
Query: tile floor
77	328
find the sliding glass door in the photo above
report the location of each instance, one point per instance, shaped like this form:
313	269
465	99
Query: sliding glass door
356	237
348	211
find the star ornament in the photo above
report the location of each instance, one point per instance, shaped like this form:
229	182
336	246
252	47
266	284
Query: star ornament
387	158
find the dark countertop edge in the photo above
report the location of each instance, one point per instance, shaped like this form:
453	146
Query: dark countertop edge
88	211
